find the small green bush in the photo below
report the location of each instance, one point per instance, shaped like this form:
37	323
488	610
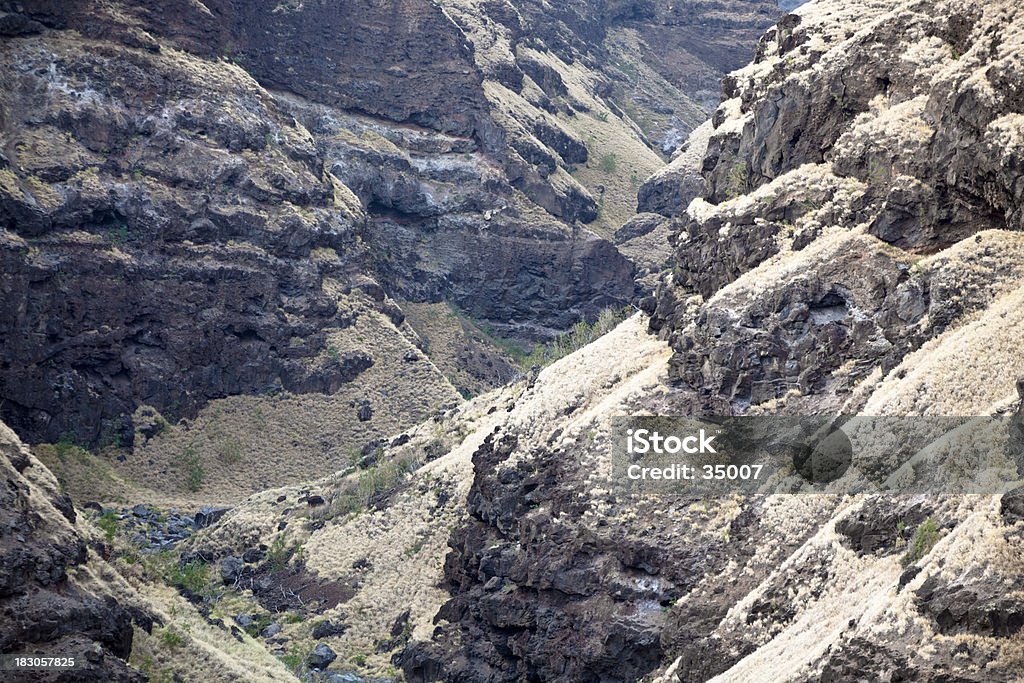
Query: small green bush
278	555
581	334
108	524
192	576
171	638
189	461
925	538
66	446
736	182
384	476
609	163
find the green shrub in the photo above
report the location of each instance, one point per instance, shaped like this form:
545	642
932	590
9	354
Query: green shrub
278	555
118	235
192	576
66	446
171	638
384	476
581	334
292	660
259	622
609	163
189	461
925	538
108	524
736	182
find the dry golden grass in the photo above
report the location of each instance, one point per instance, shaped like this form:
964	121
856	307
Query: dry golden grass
242	444
405	540
459	348
970	370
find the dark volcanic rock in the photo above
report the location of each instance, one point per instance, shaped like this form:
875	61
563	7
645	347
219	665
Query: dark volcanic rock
1011	507
208	515
45	609
669	191
638	226
881	525
327	629
230	569
146	246
539	594
321	657
159	208
329	53
971	607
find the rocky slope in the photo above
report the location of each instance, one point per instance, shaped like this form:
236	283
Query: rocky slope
49	604
877	195
798	286
855	251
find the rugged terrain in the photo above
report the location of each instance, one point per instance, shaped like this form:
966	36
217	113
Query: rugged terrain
844	238
183	199
846	242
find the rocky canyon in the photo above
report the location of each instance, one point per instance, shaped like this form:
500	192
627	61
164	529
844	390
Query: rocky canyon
319	320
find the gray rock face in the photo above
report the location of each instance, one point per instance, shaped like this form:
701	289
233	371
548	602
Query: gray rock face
669	191
321	657
159	215
153	529
208	514
815	136
638	226
230	569
449	226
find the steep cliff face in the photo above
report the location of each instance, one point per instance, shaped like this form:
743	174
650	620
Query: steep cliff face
402	60
174	236
862	174
157	238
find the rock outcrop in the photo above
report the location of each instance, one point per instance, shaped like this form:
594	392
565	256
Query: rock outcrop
833	167
49	606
